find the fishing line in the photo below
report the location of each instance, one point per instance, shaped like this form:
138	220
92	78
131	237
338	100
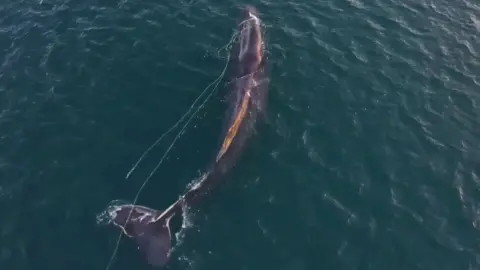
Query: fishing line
171	128
186	113
191	107
216	82
134	167
180	120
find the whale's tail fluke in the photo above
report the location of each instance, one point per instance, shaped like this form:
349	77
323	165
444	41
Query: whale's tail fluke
148	227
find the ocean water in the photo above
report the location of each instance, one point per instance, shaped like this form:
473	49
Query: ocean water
368	157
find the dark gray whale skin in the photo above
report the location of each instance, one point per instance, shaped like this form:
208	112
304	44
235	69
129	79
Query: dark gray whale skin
247	101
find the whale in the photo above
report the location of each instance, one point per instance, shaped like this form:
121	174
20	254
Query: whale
247	100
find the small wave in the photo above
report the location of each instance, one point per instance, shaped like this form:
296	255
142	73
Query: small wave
106	216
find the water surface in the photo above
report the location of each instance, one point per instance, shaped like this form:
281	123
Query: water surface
368	158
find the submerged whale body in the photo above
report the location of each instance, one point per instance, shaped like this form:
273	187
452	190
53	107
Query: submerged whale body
150	228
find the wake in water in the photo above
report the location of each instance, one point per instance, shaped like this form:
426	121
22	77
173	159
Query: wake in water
139	222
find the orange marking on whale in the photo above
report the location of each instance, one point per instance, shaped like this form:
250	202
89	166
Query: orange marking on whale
232	131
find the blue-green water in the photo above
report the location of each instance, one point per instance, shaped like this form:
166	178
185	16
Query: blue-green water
368	158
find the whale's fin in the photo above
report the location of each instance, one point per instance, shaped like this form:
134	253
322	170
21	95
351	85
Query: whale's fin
151	233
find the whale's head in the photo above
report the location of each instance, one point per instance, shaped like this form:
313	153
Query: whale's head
250	40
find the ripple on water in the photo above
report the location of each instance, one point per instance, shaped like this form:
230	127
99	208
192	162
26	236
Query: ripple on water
374	111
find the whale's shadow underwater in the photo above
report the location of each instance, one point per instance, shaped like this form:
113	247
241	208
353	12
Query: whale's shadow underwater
247	99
